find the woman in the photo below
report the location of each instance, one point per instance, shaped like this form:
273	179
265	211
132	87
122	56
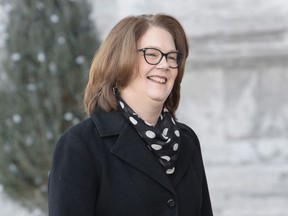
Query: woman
131	157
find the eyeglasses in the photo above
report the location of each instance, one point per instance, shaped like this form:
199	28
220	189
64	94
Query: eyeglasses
154	56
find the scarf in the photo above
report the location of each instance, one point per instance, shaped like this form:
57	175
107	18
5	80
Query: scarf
162	139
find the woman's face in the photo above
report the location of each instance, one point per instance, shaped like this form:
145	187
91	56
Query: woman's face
153	83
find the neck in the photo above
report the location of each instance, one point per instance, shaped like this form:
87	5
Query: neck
148	111
151	116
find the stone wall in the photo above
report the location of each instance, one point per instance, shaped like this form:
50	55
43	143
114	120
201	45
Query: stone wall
239	109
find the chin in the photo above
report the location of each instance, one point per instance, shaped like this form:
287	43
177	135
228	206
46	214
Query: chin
158	96
159	99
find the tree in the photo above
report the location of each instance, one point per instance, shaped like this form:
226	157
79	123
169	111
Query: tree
49	47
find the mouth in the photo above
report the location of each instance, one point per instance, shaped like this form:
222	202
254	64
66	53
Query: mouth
157	79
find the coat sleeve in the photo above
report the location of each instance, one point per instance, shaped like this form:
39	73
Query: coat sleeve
72	179
206	208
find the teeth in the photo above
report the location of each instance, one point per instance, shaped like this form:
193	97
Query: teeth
158	79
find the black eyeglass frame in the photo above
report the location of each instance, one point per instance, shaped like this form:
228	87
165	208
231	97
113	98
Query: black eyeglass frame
179	56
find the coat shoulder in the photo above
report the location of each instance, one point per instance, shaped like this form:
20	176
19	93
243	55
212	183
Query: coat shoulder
190	133
184	128
77	134
82	129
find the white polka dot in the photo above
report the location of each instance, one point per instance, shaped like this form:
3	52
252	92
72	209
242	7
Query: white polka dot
166	158
165	131
176	146
165	137
150	134
177	133
173	121
121	104
133	120
170	171
168	140
156	147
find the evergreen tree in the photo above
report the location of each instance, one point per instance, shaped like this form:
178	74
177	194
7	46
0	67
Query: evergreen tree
50	45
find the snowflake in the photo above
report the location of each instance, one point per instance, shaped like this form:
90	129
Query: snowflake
61	40
31	87
13	168
41	57
53	68
16	118
15	57
8	8
28	141
76	121
80	60
38	180
68	116
40	5
54	18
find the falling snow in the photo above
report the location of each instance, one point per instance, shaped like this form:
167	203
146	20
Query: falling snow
15	57
16	118
54	18
41	57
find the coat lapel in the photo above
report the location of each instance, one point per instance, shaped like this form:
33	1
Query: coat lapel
130	147
184	160
133	150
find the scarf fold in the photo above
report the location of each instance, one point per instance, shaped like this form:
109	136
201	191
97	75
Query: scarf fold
162	139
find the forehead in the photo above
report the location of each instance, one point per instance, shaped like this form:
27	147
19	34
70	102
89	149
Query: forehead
158	38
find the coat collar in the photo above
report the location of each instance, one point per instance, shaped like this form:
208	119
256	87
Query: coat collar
132	149
108	123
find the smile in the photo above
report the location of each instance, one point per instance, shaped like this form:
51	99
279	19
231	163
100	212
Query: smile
158	79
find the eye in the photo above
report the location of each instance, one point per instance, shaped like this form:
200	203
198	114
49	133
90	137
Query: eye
172	56
152	53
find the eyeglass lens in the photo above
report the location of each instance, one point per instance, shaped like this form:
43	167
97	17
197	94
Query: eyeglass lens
154	56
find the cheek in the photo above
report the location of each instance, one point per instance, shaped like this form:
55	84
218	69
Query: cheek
174	75
144	69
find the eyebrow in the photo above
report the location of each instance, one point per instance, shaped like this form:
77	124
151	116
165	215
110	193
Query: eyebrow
155	47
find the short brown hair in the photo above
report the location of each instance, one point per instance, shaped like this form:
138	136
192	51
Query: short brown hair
115	60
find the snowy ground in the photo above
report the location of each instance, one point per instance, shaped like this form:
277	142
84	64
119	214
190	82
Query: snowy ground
9	207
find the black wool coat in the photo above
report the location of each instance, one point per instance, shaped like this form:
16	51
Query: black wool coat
102	167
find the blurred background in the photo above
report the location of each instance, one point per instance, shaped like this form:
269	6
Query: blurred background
234	93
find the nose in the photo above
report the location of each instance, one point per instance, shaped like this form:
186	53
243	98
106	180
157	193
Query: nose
163	64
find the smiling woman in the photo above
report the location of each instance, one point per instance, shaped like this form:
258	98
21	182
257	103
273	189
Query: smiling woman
131	156
153	83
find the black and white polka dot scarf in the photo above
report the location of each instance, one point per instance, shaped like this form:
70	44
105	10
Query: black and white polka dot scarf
163	139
